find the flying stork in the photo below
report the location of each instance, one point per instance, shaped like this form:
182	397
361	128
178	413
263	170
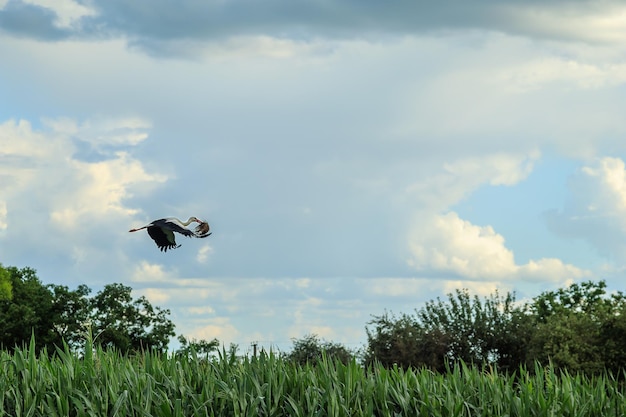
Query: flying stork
162	231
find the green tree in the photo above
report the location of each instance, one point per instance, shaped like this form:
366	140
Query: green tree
402	341
310	349
580	328
612	337
129	325
199	347
54	314
478	331
28	312
462	328
70	311
6	289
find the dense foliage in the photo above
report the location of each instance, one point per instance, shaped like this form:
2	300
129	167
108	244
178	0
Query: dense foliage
6	290
579	328
54	314
310	349
105	383
197	347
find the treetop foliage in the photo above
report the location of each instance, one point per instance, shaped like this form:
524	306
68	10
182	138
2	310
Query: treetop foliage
310	350
578	328
6	290
54	315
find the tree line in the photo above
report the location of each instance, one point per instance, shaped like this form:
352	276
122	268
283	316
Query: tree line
581	328
54	315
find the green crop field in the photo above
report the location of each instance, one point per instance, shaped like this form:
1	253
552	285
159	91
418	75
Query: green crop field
105	383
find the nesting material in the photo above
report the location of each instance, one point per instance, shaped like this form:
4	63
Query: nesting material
202	230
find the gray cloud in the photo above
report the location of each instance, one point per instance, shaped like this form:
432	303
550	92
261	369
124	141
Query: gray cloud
167	19
23	19
154	25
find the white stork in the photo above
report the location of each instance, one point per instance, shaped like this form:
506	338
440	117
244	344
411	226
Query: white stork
162	231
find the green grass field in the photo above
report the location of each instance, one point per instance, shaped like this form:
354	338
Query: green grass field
105	383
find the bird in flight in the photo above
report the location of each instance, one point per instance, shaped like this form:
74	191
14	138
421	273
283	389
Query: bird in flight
162	231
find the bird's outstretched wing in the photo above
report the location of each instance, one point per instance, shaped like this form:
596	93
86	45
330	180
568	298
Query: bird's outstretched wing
164	238
162	231
174	226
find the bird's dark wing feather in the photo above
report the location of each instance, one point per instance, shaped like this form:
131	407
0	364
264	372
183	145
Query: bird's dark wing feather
173	226
164	238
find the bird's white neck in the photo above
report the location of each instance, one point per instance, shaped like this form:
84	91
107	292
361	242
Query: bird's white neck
188	222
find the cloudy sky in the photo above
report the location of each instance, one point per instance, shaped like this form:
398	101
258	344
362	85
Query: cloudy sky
351	156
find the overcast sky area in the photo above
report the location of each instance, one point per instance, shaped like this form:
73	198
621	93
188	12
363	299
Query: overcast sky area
350	156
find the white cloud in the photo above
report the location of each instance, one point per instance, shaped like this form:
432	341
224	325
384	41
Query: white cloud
323	332
424	289
26	149
204	253
440	242
202	310
596	208
572	20
303	282
567	72
124	131
497	169
399	287
100	189
156	296
610	174
44	185
512	94
480	288
447	243
551	269
460	177
305	321
147	272
220	328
